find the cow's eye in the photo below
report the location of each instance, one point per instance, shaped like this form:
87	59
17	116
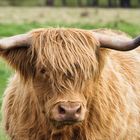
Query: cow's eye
69	75
42	71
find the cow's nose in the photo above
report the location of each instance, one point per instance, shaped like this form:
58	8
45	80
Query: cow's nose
68	112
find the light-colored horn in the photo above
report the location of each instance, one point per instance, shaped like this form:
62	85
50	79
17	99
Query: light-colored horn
117	43
22	40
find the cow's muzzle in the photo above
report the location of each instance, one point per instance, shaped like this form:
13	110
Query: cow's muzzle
68	112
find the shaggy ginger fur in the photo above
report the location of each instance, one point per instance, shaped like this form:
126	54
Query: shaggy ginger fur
65	65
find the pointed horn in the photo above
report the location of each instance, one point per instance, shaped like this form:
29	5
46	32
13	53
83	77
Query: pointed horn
22	40
117	43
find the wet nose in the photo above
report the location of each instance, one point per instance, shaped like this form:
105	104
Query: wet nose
68	112
71	110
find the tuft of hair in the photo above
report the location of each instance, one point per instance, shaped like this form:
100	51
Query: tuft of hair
60	49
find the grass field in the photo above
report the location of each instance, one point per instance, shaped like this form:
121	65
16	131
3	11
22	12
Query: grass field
19	20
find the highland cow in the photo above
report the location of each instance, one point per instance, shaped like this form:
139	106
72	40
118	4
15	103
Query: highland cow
72	84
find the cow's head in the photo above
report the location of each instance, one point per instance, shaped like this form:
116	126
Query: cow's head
62	65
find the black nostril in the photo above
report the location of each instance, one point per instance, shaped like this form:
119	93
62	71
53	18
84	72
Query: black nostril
79	110
61	110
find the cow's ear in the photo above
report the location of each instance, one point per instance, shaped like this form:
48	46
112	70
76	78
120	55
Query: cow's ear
117	43
17	52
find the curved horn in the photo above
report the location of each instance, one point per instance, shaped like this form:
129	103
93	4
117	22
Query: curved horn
117	43
22	40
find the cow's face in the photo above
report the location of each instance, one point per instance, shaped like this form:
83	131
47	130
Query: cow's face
65	67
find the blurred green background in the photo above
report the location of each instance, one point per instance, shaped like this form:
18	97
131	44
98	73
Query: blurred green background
18	16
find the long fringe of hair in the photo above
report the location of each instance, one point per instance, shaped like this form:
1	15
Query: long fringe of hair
70	52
